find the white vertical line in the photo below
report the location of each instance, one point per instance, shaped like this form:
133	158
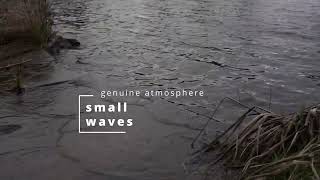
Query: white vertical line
79	113
79	100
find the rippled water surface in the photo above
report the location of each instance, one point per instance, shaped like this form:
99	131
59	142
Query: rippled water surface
259	52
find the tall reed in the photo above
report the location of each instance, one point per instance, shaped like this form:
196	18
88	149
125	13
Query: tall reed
38	21
22	20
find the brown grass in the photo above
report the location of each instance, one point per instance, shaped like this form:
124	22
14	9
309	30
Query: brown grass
273	146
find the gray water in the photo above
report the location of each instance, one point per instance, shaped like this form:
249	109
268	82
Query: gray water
263	53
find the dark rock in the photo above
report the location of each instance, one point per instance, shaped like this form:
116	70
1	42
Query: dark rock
58	42
73	42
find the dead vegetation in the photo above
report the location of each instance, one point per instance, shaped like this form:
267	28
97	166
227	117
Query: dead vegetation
25	25
271	146
25	20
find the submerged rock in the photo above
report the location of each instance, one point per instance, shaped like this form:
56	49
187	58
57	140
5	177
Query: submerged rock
58	43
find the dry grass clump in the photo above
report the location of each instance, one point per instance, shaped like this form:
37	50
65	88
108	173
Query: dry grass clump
273	146
27	20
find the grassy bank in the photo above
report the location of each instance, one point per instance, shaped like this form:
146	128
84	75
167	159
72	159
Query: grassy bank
25	20
272	146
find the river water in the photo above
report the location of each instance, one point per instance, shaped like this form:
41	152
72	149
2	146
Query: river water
263	53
